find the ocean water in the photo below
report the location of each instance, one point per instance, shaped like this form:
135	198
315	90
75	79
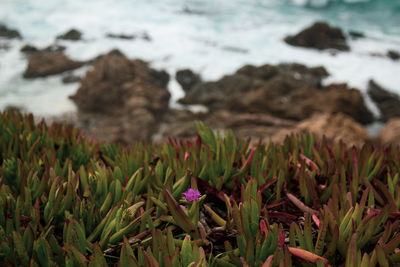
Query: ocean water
211	37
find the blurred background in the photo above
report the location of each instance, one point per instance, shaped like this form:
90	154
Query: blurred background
212	38
209	39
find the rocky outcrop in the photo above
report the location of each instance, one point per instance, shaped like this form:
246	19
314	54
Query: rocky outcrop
289	91
333	126
8	33
390	134
387	102
44	64
319	36
128	98
121	36
71	35
394	55
30	49
187	79
124	100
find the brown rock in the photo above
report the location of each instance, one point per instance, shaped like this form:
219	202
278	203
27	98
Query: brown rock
43	64
387	102
319	36
290	91
390	134
333	126
127	96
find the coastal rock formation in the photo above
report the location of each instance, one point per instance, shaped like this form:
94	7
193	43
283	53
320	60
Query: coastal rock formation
390	134
71	35
394	55
42	64
289	91
319	36
124	100
187	79
8	33
334	126
126	96
30	49
387	102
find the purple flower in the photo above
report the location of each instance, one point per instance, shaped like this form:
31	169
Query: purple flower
191	195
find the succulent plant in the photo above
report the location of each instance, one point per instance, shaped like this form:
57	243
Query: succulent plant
69	200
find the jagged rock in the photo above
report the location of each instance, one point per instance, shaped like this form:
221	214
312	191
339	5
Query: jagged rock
129	98
290	91
161	76
8	33
43	64
113	81
387	102
394	55
390	134
29	49
71	35
319	36
187	79
333	126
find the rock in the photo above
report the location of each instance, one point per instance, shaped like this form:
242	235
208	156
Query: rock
71	35
145	36
356	34
29	49
319	36
289	91
390	134
161	76
394	55
43	64
187	79
71	79
121	36
8	33
129	98
54	48
388	103
334	126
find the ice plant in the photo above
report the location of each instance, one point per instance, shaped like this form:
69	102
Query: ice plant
191	195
